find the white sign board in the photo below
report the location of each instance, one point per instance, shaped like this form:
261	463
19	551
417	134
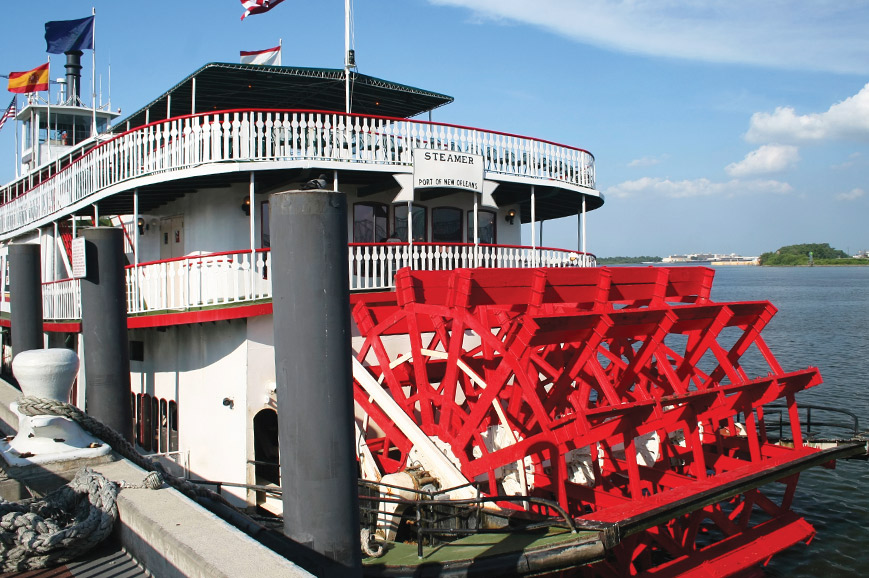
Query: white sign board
79	265
447	169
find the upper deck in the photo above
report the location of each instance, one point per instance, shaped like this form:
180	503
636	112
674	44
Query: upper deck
225	120
205	145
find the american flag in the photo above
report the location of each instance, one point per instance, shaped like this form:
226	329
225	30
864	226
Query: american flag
10	113
257	6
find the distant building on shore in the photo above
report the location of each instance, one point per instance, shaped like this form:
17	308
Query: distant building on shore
712	259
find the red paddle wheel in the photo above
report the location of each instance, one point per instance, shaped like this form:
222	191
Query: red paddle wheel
624	394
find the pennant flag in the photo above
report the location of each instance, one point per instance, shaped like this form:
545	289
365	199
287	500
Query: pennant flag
257	6
269	56
10	113
68	35
30	81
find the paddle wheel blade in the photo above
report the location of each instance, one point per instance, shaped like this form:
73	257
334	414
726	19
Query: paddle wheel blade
625	395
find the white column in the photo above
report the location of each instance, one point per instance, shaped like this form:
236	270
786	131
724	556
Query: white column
252	221
476	232
136	246
582	248
534	226
54	254
136	223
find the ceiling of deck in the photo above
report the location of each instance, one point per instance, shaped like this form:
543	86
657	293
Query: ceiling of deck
226	86
552	202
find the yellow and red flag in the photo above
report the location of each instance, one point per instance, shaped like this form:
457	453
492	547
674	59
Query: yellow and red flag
29	81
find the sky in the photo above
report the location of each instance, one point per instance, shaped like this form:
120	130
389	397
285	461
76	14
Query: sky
723	127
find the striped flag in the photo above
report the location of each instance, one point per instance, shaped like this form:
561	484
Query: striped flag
269	56
30	80
257	6
10	113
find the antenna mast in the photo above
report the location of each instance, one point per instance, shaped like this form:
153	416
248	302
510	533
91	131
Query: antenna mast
349	56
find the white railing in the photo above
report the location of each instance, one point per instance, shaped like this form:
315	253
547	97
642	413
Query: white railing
373	266
220	279
245	136
61	300
198	281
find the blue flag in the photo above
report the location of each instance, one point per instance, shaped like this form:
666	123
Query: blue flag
67	35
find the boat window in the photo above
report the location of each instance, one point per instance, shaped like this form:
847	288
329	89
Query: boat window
446	225
143	421
265	238
173	426
369	222
485	227
164	426
155	424
399	223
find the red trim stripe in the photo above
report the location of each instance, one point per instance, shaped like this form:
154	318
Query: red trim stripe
186	317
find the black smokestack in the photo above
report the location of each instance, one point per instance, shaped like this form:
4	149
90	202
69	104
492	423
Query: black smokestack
73	76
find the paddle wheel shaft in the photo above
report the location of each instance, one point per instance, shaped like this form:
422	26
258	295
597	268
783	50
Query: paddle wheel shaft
625	395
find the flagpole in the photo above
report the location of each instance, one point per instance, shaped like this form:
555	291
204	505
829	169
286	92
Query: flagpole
280	51
48	113
347	56
17	128
94	72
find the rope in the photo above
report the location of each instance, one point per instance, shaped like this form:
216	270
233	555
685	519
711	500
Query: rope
29	405
66	523
371	547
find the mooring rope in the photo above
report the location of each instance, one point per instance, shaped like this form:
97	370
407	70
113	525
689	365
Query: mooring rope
29	405
38	533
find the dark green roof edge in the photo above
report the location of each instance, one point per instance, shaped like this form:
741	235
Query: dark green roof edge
310	72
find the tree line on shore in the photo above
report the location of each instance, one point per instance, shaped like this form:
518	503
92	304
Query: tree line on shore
809	254
787	256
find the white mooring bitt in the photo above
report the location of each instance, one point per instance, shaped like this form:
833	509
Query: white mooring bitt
48	374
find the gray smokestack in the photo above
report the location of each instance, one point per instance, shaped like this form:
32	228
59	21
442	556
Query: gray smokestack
73	76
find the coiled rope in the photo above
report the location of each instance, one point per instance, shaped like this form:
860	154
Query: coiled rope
38	533
30	406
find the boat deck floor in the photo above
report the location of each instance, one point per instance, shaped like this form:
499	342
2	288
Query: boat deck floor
505	552
108	560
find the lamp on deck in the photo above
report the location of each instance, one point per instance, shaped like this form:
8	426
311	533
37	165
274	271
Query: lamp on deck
245	206
511	214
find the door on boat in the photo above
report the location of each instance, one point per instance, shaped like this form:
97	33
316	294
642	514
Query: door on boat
171	247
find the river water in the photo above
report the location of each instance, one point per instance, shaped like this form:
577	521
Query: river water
823	321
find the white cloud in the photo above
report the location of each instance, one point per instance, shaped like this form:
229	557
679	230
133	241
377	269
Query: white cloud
814	35
852	158
851	195
646	161
848	119
767	159
651	186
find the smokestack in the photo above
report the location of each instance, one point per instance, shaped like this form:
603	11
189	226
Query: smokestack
73	76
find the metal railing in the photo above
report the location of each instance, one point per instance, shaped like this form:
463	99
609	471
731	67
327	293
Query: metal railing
237	277
268	135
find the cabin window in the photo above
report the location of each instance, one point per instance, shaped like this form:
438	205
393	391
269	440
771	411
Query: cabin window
164	426
173	426
369	222
143	421
446	225
156	423
485	227
265	238
399	223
